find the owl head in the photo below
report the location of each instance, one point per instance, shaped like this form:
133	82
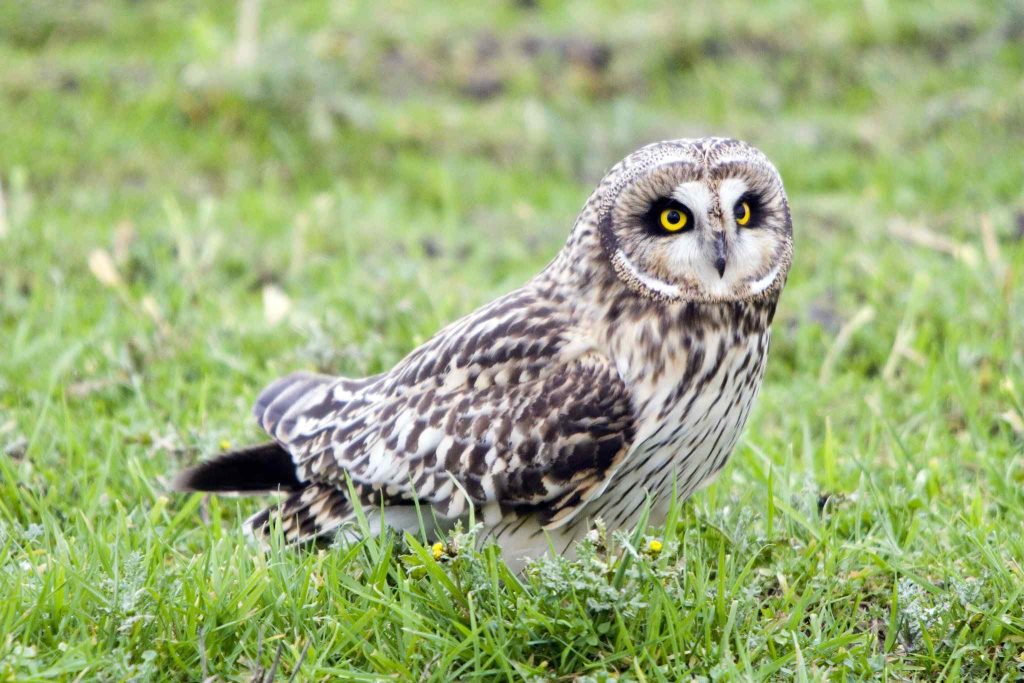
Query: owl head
701	220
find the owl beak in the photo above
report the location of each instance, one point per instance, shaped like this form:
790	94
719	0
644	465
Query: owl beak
720	254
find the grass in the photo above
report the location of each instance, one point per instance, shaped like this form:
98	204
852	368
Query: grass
178	229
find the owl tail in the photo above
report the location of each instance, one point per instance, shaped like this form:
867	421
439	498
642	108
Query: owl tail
311	514
259	469
311	511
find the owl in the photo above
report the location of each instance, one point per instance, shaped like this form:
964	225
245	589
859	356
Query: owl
622	373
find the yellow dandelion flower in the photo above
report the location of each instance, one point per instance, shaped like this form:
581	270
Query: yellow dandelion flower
437	550
225	445
655	546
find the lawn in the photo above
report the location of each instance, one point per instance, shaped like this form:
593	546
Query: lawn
191	209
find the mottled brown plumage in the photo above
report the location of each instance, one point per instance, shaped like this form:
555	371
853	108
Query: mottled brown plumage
626	367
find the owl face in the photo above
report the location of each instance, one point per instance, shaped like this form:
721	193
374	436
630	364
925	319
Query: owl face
696	220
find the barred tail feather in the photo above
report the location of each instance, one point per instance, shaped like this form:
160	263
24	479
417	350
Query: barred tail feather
312	513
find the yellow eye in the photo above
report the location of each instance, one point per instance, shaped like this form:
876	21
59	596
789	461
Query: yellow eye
742	212
673	220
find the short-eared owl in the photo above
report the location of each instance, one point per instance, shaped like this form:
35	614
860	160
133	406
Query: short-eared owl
625	369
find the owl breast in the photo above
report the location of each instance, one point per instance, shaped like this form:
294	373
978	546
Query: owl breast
692	413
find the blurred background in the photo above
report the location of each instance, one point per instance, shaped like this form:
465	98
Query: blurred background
221	192
198	197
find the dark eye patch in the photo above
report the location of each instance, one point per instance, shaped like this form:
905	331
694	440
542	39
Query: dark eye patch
756	204
652	219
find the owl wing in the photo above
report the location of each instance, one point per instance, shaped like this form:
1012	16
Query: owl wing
507	413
